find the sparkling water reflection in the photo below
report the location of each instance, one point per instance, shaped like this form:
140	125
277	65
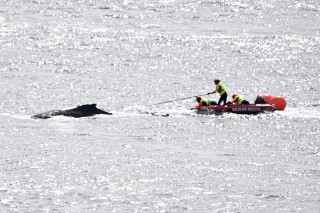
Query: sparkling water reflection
125	56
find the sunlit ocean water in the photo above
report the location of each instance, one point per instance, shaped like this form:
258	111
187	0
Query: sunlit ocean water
126	56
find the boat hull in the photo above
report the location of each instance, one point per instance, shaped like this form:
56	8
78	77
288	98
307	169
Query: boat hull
238	109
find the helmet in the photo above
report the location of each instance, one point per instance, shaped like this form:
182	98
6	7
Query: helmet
198	98
234	95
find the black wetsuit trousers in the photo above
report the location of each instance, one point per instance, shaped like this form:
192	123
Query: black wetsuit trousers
223	98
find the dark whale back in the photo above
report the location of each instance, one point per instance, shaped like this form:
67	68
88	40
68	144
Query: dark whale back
80	111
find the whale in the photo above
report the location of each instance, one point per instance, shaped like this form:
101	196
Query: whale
85	110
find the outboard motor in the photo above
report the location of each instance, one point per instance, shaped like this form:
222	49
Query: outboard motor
259	100
278	101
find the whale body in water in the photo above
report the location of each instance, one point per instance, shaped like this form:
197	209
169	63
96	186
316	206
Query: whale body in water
80	111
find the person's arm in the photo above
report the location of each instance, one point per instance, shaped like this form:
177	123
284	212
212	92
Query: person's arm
217	89
199	106
234	100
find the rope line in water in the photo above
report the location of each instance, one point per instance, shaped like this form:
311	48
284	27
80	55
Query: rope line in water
180	99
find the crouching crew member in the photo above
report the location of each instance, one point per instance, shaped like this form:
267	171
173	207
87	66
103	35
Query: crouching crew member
203	102
239	100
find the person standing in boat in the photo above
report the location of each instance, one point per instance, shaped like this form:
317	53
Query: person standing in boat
220	88
203	102
237	100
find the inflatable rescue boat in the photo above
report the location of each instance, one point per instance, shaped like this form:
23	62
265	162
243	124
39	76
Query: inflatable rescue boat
262	104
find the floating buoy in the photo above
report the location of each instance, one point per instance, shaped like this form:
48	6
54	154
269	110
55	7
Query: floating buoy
267	97
278	101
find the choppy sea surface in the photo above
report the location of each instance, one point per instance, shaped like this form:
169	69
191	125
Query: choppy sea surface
126	56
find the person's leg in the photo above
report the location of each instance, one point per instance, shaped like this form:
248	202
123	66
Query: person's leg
245	102
213	103
223	98
220	100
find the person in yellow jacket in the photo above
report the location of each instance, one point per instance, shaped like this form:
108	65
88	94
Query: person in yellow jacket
203	102
220	88
238	100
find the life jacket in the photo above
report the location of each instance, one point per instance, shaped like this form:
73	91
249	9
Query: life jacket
222	89
205	102
239	100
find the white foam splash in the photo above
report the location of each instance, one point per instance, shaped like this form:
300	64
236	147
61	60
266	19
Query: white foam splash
300	112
